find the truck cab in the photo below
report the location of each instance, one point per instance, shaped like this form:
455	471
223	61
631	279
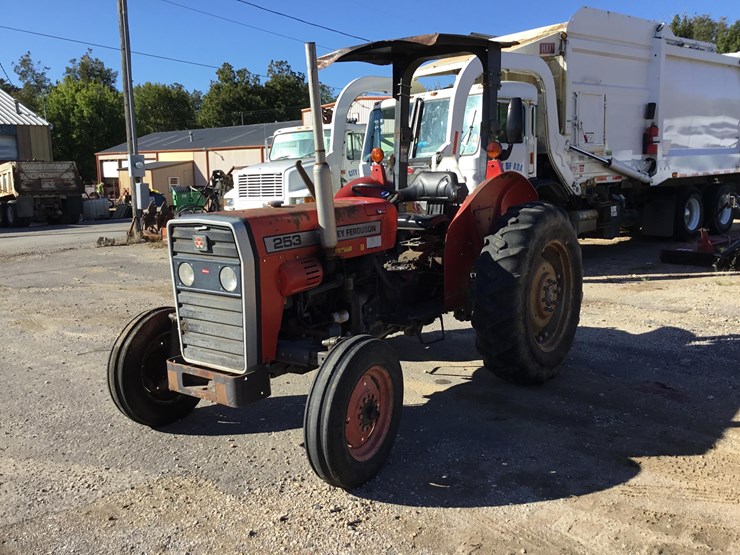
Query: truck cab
277	179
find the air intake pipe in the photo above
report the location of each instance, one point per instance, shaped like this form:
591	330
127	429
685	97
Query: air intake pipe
321	171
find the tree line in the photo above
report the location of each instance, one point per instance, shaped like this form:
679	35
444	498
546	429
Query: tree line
86	109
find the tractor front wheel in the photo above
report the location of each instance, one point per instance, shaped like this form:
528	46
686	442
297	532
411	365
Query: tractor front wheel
353	411
137	371
527	294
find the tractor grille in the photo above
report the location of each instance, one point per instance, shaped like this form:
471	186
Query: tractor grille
211	322
260	185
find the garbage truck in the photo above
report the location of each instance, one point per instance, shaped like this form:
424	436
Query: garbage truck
626	126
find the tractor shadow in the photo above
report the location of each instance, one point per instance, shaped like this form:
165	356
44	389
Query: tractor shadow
620	397
274	414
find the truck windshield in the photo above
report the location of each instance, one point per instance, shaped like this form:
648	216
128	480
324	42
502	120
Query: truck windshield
433	129
295	144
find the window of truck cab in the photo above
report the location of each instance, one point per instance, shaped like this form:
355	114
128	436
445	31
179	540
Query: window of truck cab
294	145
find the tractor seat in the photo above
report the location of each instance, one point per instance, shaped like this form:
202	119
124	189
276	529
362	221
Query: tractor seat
434	187
410	221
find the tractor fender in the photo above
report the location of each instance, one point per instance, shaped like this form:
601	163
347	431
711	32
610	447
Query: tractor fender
474	221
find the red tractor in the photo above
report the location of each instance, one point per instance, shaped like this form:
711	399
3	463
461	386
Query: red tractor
289	289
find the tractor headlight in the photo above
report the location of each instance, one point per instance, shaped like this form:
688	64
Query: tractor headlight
186	274
227	277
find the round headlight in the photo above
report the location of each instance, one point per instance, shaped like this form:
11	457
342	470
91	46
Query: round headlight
186	274
227	277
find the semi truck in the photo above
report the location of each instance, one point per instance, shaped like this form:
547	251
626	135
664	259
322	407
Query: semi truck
626	126
278	179
50	191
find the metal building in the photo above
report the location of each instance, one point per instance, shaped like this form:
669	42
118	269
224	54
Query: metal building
24	135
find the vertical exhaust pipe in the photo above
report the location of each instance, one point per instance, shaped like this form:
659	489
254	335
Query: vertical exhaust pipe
321	171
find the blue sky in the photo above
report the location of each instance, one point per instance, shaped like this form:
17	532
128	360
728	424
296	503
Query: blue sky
162	28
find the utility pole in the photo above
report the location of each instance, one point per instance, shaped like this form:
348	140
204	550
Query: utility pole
135	162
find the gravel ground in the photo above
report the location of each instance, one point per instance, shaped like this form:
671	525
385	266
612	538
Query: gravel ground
634	448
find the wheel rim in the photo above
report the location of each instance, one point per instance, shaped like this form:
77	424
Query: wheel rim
550	295
154	369
724	210
692	213
369	413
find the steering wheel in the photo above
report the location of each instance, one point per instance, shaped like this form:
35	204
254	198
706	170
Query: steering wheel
359	189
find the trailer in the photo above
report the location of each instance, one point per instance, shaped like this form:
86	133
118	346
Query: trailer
50	191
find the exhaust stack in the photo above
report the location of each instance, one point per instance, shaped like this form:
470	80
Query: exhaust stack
321	171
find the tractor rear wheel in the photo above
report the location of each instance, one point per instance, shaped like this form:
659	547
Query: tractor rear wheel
353	411
137	371
527	294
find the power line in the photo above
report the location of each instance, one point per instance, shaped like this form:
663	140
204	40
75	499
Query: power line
302	20
240	23
108	47
85	43
6	73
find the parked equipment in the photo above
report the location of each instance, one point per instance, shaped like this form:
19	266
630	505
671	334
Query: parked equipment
625	126
278	180
50	191
289	289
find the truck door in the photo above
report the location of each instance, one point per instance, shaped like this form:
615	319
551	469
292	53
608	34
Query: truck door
352	155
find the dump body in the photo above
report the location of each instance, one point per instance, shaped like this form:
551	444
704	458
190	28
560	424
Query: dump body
616	76
41	190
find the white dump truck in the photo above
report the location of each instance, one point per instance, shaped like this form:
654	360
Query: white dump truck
625	125
278	179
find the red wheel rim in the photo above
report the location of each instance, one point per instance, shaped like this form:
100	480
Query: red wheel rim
369	413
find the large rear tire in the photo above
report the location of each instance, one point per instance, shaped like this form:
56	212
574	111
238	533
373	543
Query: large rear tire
11	215
718	208
689	215
527	294
137	371
353	411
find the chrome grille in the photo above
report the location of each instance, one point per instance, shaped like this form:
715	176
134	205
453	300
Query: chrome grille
211	323
260	185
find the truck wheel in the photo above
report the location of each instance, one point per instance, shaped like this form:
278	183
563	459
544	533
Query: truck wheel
718	209
353	411
689	214
11	215
527	294
137	371
2	215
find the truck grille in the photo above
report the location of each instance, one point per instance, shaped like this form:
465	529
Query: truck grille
260	185
211	322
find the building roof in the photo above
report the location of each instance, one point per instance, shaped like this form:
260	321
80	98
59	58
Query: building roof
15	113
206	139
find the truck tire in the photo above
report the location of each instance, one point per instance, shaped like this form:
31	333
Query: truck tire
527	294
137	371
718	209
353	411
689	215
2	215
11	215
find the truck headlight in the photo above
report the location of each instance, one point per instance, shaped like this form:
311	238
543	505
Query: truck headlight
186	274
229	205
227	277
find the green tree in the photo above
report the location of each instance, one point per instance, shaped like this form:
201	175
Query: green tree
87	117
236	97
286	92
35	85
163	108
89	69
706	29
8	87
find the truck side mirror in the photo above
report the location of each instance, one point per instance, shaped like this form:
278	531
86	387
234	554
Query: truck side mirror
515	121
